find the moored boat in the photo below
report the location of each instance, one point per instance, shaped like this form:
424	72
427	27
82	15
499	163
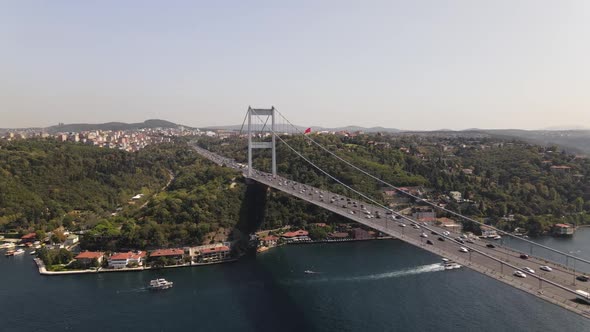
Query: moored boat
18	252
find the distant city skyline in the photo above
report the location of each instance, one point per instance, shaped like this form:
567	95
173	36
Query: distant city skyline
421	65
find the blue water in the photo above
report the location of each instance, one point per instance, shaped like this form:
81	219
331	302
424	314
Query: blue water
577	246
360	286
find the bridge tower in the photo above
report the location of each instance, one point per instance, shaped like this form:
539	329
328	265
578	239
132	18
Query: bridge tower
260	112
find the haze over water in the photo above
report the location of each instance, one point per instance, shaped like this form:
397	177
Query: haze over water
361	286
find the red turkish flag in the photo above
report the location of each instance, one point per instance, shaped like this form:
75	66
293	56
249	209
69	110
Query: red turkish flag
307	131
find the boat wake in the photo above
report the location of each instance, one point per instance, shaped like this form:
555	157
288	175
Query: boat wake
387	275
133	290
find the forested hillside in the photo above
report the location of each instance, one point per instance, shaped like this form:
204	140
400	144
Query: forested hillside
45	184
41	180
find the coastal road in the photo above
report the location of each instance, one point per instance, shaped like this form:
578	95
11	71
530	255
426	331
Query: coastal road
499	263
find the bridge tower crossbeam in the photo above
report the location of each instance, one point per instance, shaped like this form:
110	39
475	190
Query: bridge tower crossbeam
258	112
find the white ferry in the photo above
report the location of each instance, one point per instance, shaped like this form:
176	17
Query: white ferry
158	284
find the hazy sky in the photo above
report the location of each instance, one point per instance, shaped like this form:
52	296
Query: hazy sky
404	64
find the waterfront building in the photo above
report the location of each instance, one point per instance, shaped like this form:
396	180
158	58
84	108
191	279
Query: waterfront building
487	232
174	253
563	230
29	238
124	259
214	254
269	241
299	235
86	257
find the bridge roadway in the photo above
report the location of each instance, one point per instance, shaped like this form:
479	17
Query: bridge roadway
557	286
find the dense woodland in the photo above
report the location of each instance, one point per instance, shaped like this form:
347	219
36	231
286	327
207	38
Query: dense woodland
42	180
45	185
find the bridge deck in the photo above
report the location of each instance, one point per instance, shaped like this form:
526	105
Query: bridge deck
557	286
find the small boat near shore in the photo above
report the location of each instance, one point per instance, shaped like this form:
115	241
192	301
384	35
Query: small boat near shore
7	245
451	266
160	284
310	272
9	253
18	252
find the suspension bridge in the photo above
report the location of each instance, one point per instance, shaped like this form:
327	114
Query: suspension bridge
555	280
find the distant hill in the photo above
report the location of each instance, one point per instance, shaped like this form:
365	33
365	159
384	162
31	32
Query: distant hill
576	141
313	128
77	127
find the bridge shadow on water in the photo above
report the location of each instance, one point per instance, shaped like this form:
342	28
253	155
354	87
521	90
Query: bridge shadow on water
267	305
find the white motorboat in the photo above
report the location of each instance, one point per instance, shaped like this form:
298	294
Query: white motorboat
451	266
160	284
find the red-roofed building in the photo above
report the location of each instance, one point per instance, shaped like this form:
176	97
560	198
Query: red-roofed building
269	241
170	253
214	254
86	257
29	238
299	235
124	259
563	230
339	235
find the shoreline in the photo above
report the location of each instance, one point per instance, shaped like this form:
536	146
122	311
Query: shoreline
340	240
323	241
43	270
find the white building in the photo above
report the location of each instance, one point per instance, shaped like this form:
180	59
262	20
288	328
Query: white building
72	239
122	260
456	196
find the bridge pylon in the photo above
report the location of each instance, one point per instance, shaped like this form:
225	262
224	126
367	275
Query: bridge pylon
261	112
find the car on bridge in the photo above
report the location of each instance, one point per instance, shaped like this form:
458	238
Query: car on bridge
463	249
528	269
441	238
583	278
519	274
545	268
524	256
489	245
